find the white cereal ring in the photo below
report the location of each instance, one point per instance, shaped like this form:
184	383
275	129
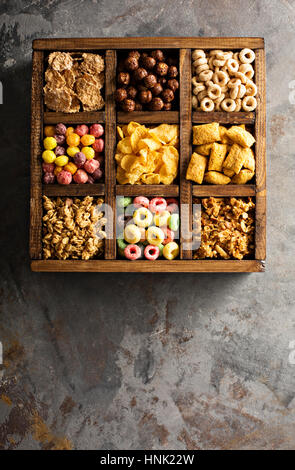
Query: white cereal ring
209	83
202	95
205	75
200	61
210	62
220	78
195	102
233	82
242	91
214	91
219	62
207	104
247	70
201	68
224	69
251	88
142	217
236	56
232	65
213	52
198	88
195	82
197	53
242	77
247	56
238	105
234	91
224	89
249	103
228	105
218	101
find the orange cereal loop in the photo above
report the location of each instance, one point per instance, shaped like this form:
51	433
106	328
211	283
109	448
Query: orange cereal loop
49	131
73	140
69	131
87	140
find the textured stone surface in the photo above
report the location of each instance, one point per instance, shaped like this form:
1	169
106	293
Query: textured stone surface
161	361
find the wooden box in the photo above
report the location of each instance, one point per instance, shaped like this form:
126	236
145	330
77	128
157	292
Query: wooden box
184	117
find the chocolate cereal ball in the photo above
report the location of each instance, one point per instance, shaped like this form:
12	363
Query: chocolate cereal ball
138	106
131	63
150	81
131	92
135	54
167	107
128	105
173	84
156	104
157	55
161	69
172	71
163	81
157	89
148	62
145	96
120	95
123	78
140	74
167	95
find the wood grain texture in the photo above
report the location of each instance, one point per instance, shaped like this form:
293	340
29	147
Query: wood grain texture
73	190
159	266
36	172
78	44
202	117
260	136
149	117
51	117
223	190
110	145
185	126
171	190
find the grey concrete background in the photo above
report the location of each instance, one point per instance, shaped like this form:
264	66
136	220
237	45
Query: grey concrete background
142	361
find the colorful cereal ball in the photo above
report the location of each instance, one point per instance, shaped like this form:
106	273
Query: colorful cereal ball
48	178
81	130
73	140
64	177
171	250
132	252
91	165
49	143
49	131
80	177
71	167
151	252
141	201
98	145
60	139
87	140
79	159
158	204
59	150
48	156
48	167
97	174
96	130
62	160
71	151
88	152
132	233
61	129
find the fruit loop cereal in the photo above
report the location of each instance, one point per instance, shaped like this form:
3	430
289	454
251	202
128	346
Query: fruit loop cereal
147	228
73	228
223	81
73	155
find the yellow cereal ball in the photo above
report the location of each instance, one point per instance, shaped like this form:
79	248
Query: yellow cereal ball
132	233
71	167
48	156
171	250
62	160
162	219
88	139
49	131
73	140
49	143
57	170
71	151
69	131
88	152
155	236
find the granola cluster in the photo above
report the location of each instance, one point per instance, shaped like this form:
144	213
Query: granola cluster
73	228
227	228
73	80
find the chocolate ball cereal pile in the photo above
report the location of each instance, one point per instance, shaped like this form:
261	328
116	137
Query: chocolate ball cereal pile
74	80
147	81
223	80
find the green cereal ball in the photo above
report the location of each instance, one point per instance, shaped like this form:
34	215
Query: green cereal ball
174	222
121	244
127	201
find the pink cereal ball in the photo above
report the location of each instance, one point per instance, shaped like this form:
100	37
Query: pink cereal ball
64	177
151	252
141	201
90	179
48	178
59	151
60	139
79	159
132	252
48	167
157	204
97	174
98	145
91	165
97	130
80	177
60	129
81	130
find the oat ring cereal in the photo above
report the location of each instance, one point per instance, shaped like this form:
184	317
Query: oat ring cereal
233	82
220	78
197	53
232	65
206	75
228	105
198	88
214	91
247	56
219	62
195	102
207	104
201	68
238	105
242	91
218	101
251	88
202	95
213	52
234	91
247	70
200	61
249	103
242	77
